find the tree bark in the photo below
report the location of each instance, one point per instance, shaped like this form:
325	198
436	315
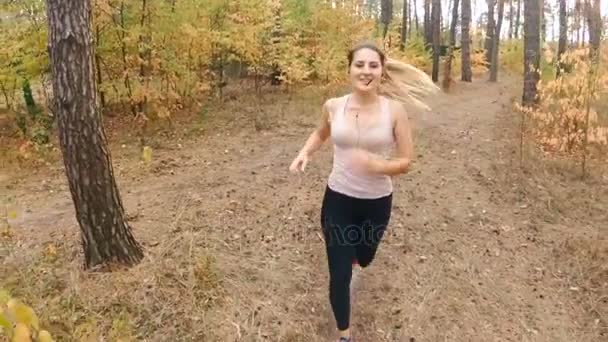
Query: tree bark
386	16
496	42
563	35
436	20
531	51
510	34
447	78
105	234
518	19
404	25
577	21
490	30
467	74
594	23
102	95
428	25
409	18
416	16
543	22
144	55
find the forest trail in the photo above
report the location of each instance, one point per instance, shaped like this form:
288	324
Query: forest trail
466	257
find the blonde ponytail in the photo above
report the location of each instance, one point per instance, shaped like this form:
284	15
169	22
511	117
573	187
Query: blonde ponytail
405	83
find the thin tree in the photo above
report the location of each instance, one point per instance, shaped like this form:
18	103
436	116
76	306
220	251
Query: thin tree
517	20
428	26
496	42
594	19
105	234
447	78
531	51
594	23
386	16
490	30
511	10
404	25
416	16
563	35
467	74
543	21
436	21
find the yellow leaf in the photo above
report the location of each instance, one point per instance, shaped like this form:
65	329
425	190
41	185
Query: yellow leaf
4	297
26	315
22	333
44	336
147	154
12	215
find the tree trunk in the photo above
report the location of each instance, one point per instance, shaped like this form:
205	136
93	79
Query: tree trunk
554	22
386	16
121	35
583	29
496	42
510	34
594	23
577	21
467	74
563	35
531	51
144	55
436	20
491	28
428	25
518	19
409	18
543	22
416	16
404	25
447	22
447	78
105	234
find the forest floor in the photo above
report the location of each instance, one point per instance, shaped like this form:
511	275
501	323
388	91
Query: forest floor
479	248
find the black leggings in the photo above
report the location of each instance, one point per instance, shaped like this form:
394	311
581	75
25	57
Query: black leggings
352	228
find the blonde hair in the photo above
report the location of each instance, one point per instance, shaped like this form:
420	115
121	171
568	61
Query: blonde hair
400	81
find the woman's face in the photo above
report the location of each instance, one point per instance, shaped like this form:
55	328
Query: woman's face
365	70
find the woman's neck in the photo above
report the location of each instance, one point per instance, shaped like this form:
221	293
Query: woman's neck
365	99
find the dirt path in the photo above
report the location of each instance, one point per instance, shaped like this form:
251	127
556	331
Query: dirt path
464	259
464	264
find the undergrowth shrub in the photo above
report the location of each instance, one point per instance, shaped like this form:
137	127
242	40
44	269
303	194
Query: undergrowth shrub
566	121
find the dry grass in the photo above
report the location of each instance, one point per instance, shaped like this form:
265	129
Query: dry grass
177	293
582	264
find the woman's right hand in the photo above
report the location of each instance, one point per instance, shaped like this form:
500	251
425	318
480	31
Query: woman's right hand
299	163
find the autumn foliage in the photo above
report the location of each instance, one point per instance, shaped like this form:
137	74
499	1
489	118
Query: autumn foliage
566	120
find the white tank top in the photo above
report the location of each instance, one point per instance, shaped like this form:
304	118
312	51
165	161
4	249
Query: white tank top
377	139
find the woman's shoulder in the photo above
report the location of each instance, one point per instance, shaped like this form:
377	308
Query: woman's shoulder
332	104
396	109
